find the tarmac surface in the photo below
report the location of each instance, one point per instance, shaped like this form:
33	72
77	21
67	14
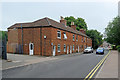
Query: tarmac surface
66	66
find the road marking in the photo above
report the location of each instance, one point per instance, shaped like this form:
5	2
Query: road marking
93	71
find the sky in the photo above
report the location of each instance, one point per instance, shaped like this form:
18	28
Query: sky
96	14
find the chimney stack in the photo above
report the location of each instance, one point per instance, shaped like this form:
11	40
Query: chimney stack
62	21
73	25
83	31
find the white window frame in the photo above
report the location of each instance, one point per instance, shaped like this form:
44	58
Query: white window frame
73	37
84	39
76	37
58	48
73	47
65	36
64	48
59	32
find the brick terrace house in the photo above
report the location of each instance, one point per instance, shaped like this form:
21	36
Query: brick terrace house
46	37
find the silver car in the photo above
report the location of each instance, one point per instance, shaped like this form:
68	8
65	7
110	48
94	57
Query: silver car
88	50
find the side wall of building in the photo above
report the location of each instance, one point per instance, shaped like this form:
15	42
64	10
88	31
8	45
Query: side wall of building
12	43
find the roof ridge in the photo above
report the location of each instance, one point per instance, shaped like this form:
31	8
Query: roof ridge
48	21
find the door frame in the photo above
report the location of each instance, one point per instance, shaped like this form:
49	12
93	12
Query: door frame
54	50
31	52
70	49
67	49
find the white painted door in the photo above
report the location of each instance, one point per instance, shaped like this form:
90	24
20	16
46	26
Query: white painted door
54	49
70	49
67	49
78	49
31	49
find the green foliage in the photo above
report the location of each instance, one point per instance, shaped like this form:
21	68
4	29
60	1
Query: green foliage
3	34
119	49
96	38
113	31
79	22
118	46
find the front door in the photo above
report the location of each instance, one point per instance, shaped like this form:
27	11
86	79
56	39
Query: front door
31	49
67	49
78	49
54	49
70	49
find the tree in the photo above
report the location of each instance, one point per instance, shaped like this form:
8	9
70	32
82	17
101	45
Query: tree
96	38
3	34
113	31
79	22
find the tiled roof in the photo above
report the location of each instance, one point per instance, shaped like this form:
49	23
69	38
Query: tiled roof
47	22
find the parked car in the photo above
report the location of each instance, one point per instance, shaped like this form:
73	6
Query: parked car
100	50
88	50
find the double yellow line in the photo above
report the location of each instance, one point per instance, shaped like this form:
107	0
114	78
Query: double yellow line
93	71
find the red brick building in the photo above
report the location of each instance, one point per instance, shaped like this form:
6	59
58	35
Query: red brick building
46	37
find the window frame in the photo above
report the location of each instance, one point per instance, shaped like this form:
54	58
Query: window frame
73	47
59	32
58	49
73	37
64	48
64	33
76	37
82	38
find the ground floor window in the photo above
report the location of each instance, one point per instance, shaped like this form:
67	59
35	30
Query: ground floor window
64	48
73	47
58	47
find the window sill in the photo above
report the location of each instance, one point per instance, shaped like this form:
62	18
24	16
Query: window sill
58	51
58	38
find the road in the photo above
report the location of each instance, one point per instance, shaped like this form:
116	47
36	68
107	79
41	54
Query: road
68	67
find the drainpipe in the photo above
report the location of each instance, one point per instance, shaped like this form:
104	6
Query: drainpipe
22	38
41	41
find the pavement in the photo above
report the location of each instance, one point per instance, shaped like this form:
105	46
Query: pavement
110	67
18	60
75	65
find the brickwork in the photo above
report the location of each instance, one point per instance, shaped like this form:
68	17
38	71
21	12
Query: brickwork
43	39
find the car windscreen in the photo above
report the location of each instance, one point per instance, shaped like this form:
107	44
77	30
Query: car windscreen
88	48
100	49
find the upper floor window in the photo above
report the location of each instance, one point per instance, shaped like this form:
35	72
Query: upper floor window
76	37
65	37
73	37
84	39
58	47
64	48
59	34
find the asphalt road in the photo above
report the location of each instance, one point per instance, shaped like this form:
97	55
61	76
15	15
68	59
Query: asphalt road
68	67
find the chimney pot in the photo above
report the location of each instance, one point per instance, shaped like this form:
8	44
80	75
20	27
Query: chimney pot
83	31
73	25
62	21
61	18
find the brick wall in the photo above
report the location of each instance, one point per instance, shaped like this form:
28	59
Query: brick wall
68	42
43	46
12	40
